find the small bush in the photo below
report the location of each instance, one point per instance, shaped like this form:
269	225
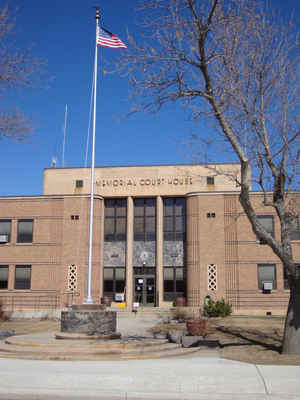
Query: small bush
219	308
4	315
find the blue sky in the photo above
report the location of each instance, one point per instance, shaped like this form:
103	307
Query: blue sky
63	33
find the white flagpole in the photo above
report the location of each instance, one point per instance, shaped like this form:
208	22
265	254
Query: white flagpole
89	299
64	137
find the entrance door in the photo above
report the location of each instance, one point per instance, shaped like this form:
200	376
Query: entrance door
144	290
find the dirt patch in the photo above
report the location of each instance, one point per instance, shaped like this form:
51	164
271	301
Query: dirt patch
23	327
249	339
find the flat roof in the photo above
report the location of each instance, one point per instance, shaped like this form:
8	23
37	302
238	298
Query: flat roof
147	165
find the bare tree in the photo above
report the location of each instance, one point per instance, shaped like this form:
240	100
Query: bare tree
234	63
17	69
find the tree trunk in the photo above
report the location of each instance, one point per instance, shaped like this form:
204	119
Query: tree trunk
291	339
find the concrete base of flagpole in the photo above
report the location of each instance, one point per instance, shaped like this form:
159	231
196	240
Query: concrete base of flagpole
88	300
89	319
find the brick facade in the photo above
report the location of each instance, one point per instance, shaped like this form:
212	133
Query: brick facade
221	253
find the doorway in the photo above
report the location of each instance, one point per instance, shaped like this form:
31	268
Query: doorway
144	290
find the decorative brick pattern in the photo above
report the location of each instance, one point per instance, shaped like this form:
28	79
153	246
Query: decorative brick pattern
212	277
72	277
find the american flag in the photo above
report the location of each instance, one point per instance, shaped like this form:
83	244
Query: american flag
108	39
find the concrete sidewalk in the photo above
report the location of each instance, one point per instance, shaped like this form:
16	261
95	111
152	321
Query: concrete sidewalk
191	378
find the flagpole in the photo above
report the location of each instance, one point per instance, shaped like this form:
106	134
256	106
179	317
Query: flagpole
89	299
64	136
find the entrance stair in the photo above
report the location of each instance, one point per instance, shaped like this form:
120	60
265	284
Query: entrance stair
144	312
44	346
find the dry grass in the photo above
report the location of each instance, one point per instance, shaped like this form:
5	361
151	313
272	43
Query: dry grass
249	339
22	327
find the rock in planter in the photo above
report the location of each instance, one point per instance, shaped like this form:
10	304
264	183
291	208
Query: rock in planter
175	336
199	341
5	334
197	327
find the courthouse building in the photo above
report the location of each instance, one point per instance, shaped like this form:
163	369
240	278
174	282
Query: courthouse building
159	233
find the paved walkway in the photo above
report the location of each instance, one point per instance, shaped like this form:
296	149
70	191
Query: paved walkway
189	378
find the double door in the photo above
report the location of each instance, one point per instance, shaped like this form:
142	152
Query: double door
144	290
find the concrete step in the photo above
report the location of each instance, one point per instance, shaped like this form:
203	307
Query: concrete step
143	311
91	349
46	347
175	352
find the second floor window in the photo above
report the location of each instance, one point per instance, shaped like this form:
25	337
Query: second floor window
115	220
267	221
25	231
5	229
174	218
144	219
294	228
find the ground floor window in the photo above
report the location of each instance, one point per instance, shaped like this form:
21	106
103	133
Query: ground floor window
174	283
3	276
23	277
267	274
113	281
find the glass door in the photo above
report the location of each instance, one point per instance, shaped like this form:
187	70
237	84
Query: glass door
144	290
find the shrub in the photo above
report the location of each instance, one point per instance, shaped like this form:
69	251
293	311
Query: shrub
219	308
4	315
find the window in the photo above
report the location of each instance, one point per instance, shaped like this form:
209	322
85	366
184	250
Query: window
25	231
174	283
210	180
267	221
79	183
3	276
211	215
115	220
23	277
174	218
113	281
266	274
294	228
144	219
5	228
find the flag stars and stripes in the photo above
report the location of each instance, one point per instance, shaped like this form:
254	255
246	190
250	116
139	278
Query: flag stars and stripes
108	39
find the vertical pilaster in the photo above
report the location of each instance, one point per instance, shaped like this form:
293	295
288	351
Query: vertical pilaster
129	253
11	277
159	250
193	253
